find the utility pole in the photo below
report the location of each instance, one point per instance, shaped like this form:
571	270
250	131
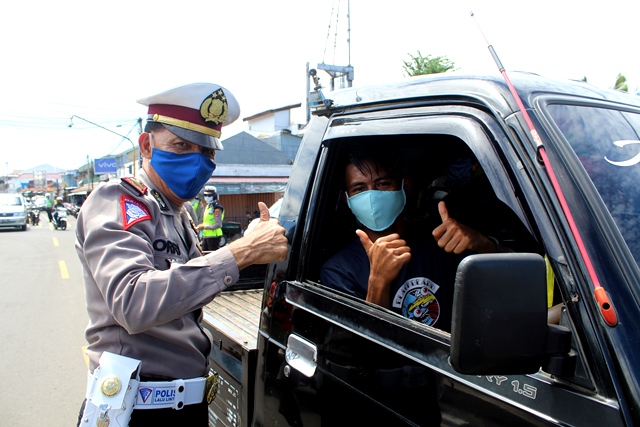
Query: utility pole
90	173
335	71
338	71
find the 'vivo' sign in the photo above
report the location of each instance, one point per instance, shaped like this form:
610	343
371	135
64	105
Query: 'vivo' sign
105	165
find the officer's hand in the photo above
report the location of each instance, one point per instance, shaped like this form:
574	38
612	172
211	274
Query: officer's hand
455	237
387	255
266	242
265	215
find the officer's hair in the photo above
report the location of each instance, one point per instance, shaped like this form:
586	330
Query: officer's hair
153	126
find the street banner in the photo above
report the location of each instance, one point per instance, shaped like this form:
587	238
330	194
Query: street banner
105	165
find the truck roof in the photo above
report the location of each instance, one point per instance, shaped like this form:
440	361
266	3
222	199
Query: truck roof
491	89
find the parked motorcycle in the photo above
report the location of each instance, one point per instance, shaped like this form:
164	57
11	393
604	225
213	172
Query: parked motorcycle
60	218
34	216
72	209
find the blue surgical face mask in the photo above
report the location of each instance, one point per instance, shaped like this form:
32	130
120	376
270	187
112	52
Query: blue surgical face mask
377	210
184	174
208	199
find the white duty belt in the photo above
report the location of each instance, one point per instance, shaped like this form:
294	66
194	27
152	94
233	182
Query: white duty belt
171	394
114	391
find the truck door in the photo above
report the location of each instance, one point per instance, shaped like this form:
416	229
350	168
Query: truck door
334	359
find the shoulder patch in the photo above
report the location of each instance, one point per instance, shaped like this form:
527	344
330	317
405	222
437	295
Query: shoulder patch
135	184
133	211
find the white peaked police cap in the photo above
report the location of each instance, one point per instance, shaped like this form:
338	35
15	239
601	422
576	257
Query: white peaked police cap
195	112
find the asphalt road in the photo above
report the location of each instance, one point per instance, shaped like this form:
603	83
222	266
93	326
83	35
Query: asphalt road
42	319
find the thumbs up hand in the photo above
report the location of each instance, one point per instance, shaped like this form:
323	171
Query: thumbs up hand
387	255
455	237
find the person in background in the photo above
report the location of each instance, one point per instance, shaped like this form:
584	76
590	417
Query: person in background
211	225
48	206
198	207
247	220
145	276
58	204
193	216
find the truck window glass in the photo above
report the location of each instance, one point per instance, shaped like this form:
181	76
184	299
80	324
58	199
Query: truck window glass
606	142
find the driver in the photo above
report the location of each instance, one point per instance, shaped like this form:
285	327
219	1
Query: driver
58	204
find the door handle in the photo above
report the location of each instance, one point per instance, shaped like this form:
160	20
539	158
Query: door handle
302	355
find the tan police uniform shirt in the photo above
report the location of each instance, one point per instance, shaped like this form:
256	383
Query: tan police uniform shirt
146	280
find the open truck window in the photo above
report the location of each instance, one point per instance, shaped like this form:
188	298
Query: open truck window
435	167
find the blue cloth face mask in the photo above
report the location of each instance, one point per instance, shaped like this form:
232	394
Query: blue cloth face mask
377	210
184	174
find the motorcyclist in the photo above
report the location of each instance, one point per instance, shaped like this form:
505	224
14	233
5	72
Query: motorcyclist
58	204
34	212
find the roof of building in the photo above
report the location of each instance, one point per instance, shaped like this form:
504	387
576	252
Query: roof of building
275	110
243	148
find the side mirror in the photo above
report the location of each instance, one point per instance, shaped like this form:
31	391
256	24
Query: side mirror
499	314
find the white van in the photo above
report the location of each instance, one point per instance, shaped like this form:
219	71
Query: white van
13	211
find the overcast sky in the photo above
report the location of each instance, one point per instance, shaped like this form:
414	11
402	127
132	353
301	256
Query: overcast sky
95	59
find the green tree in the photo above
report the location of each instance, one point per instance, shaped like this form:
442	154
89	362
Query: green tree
621	83
419	65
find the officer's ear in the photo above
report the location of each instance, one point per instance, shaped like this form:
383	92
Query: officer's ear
145	145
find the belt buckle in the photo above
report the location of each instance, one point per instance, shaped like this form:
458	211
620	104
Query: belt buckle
211	387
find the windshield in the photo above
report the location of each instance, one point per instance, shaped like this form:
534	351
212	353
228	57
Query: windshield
10	201
606	142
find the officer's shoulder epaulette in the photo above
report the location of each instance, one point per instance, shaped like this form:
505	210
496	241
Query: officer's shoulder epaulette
134	184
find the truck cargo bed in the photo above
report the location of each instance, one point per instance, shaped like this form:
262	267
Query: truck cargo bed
237	315
233	319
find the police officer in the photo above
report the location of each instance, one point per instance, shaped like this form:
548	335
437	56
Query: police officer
49	206
198	207
211	225
145	276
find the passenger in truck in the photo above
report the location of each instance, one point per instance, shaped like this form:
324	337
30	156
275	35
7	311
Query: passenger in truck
469	197
393	263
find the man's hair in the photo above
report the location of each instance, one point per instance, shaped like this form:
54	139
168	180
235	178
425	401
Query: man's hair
153	126
381	160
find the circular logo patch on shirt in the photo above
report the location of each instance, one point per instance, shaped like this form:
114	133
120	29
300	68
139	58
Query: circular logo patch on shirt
416	299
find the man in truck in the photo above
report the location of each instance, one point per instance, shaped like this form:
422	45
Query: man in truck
145	276
393	264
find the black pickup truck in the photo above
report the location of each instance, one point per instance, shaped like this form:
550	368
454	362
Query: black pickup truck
290	350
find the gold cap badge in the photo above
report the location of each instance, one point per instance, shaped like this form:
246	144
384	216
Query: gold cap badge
214	108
